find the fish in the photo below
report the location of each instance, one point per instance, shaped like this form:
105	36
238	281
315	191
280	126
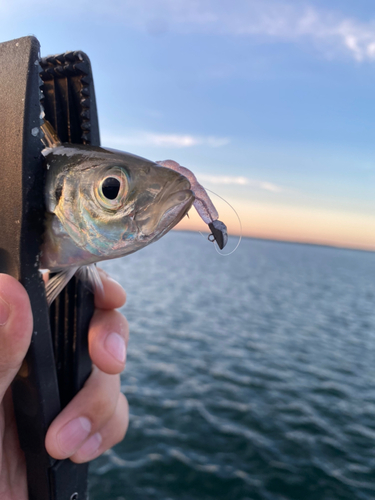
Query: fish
103	204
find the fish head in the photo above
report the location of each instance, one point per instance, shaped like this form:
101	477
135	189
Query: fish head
104	204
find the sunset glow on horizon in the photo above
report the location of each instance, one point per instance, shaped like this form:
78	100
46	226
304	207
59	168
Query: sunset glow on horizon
271	104
271	222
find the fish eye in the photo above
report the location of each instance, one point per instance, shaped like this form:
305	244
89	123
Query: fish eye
111	187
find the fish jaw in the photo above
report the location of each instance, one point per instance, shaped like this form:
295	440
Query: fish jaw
169	206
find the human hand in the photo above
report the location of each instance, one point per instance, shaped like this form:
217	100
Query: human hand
97	418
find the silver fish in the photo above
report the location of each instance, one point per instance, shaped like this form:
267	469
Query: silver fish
102	204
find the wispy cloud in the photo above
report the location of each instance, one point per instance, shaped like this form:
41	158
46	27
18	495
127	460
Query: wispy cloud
239	181
161	140
329	30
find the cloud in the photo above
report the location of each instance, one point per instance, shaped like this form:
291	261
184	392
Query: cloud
239	181
331	31
161	140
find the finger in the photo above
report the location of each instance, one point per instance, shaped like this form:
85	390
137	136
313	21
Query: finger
16	326
110	434
88	412
114	295
108	340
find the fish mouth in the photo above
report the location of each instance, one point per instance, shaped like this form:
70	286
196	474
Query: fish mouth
182	202
167	208
155	223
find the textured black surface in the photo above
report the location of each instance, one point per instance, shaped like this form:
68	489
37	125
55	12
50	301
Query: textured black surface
69	105
69	102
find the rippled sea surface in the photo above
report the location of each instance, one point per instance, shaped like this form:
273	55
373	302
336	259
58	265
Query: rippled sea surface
249	377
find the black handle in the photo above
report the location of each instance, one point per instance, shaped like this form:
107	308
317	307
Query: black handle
57	363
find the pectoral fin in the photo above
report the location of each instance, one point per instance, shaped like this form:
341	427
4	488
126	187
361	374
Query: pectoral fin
88	274
57	283
91	278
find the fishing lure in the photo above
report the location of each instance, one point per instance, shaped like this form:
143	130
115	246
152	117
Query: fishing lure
102	204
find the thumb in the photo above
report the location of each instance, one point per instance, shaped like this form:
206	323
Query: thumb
16	326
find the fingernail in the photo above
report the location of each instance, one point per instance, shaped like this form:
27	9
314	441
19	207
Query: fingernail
115	345
73	434
91	447
4	312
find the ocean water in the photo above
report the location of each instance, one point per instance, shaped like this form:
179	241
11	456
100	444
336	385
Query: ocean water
250	377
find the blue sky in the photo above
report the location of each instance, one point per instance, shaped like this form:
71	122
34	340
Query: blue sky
271	103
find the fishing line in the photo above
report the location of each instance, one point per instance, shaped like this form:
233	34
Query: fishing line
239	222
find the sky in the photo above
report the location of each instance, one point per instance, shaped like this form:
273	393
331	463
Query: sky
270	103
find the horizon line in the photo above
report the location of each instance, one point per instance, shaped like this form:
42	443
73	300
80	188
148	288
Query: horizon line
276	240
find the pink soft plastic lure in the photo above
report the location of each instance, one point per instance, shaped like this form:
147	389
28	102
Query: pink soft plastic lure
202	203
